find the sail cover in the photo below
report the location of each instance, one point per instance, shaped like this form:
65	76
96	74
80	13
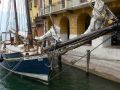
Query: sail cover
53	32
100	14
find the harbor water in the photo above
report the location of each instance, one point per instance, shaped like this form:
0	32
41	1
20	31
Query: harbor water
70	79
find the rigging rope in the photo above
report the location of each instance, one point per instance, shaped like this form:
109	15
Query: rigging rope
12	70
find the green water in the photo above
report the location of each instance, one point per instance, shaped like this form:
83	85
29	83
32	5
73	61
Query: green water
70	79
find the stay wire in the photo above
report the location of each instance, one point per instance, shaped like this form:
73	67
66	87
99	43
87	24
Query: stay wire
11	71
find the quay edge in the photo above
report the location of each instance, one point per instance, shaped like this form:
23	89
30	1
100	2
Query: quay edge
103	67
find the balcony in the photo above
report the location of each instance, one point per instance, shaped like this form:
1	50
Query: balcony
64	6
73	3
56	7
47	10
60	6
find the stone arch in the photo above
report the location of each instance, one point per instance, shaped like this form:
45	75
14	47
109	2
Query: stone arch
65	28
83	22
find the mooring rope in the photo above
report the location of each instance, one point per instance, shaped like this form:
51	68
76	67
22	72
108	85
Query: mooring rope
11	71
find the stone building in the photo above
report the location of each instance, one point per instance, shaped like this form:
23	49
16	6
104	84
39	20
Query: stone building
73	17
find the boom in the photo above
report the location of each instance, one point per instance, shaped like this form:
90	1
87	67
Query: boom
64	47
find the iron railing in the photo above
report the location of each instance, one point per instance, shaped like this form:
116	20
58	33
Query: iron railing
67	4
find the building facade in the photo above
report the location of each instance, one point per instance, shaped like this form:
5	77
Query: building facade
37	25
73	17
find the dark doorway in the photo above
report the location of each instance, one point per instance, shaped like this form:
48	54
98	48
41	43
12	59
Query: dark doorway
115	39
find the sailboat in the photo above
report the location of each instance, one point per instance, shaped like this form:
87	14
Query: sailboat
36	65
22	62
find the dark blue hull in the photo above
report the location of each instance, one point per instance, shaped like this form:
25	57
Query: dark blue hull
32	66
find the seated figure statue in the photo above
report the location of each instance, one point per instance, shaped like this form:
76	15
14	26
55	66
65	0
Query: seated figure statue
54	32
100	15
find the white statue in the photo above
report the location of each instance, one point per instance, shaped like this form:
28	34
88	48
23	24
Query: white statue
53	32
100	15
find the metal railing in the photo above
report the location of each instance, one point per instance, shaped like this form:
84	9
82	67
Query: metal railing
60	6
67	4
56	7
47	10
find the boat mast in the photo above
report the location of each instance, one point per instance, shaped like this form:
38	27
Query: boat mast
16	19
30	38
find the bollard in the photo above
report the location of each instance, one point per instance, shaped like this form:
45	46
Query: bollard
88	62
59	62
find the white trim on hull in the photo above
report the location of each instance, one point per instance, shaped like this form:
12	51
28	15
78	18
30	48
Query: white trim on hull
40	77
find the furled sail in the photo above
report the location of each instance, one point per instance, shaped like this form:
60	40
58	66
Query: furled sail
53	32
100	15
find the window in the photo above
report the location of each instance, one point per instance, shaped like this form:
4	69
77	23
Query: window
63	3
